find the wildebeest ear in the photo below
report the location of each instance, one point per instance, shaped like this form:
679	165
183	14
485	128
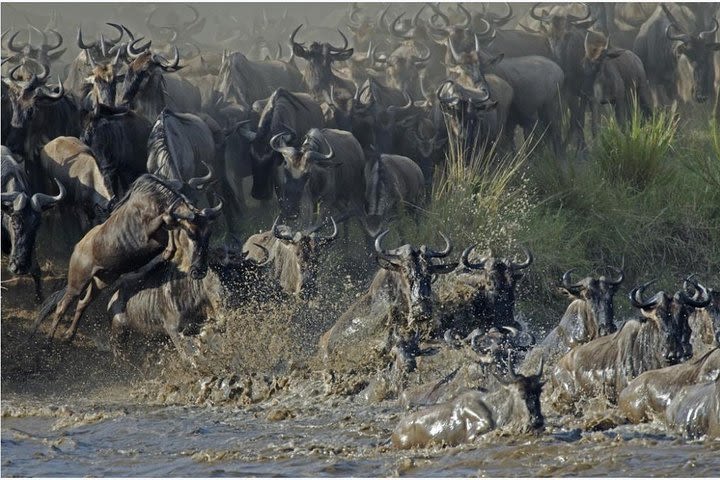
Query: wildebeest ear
568	292
342	56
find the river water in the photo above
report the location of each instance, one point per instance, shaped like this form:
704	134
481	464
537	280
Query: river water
73	410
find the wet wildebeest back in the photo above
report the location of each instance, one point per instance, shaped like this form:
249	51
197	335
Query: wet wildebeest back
138	233
590	315
515	405
647	396
481	294
21	215
398	300
604	366
695	410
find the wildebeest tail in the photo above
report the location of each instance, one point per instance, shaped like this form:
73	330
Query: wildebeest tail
47	308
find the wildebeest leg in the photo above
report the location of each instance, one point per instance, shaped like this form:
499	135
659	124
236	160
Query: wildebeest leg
183	346
118	330
63	305
36	274
80	309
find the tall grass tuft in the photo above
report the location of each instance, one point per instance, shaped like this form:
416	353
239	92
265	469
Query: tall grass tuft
636	152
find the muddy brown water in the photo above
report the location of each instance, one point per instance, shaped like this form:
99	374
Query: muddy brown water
267	410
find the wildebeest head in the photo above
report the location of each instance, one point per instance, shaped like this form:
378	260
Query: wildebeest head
466	111
670	314
598	293
21	218
103	80
26	96
472	64
415	268
499	277
699	50
45	54
403	66
597	52
556	25
196	224
529	389
146	67
306	246
701	297
302	166
178	32
320	57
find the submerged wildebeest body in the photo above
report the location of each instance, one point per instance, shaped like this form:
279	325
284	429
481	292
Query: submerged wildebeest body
695	410
295	255
705	325
90	193
515	404
590	315
481	294
399	299
607	364
21	215
170	302
648	396
178	144
392	183
139	231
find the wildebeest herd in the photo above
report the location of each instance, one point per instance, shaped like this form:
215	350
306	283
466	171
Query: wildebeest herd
146	141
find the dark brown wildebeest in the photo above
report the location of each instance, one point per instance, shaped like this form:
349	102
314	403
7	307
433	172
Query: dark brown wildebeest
21	215
45	54
695	410
326	171
295	255
604	366
514	405
649	395
481	294
392	183
90	193
172	303
590	315
284	112
151	85
139	231
616	77
399	299
318	75
245	82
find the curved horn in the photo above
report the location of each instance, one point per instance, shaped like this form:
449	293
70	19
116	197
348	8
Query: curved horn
378	245
539	18
614	282
417	15
120	31
344	47
526	263
500	21
468	16
451	47
399	33
315	155
442	253
211	213
382	23
465	259
708	35
566	281
408	105
353	15
13	72
44	72
81	43
54	96
636	296
199	183
11	43
134	52
168	64
40	201
295	44
59	39
488	29
436	9
575	19
439	89
700	300
278	144
421	59
332	236
282	235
